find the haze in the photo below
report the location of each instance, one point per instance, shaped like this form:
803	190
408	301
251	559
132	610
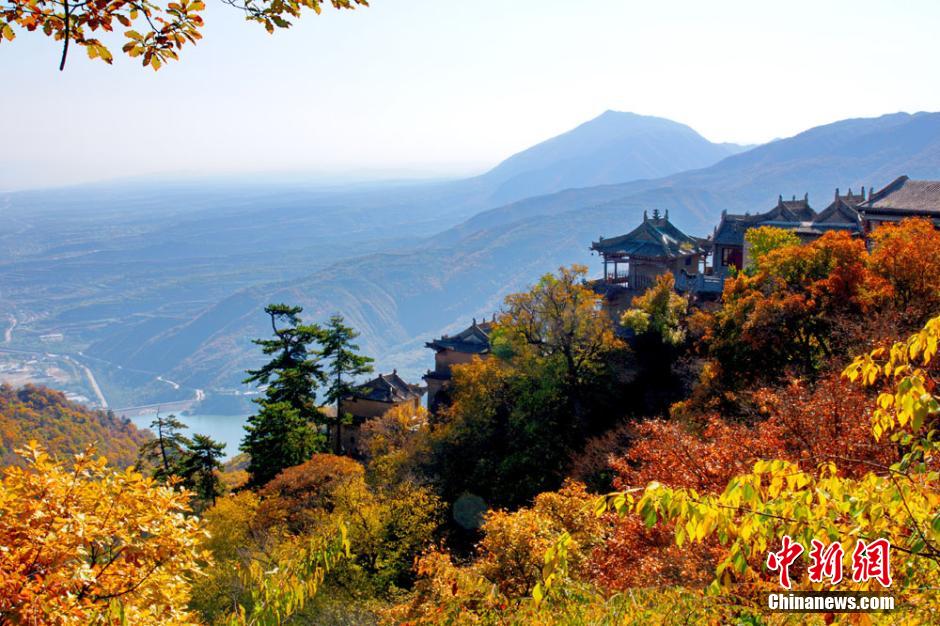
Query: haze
422	88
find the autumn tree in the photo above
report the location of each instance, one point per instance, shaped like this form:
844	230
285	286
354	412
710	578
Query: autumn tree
907	255
659	310
156	31
284	432
799	310
517	417
558	319
395	445
167	451
762	240
343	363
83	543
827	496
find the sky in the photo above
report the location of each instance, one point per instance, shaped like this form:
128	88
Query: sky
425	88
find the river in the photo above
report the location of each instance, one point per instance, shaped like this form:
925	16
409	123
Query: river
225	428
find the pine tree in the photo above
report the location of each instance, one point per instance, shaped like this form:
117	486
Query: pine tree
198	468
166	451
344	363
285	432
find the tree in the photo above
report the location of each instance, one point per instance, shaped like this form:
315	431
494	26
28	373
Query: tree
797	312
167	451
763	240
659	310
518	417
907	255
559	318
200	468
162	29
88	544
825	496
344	363
285	431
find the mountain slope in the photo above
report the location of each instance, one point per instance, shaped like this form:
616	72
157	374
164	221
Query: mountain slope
63	427
613	147
185	304
850	153
401	300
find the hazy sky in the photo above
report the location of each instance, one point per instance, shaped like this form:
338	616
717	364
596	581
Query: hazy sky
430	87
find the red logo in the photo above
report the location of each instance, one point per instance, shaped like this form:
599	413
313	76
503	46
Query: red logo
781	561
870	561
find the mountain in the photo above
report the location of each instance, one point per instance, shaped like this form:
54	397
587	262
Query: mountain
613	147
401	300
849	153
179	294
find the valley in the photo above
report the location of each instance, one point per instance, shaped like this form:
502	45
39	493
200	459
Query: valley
154	296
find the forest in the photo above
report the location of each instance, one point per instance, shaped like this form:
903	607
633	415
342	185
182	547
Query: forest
590	470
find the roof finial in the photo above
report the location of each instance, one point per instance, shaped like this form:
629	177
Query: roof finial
780	199
395	372
655	214
837	193
667	214
806	197
645	217
794	198
474	321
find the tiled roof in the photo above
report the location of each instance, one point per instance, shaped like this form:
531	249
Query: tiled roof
655	238
475	339
904	195
389	388
842	211
790	213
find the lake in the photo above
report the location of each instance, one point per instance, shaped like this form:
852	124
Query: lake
225	428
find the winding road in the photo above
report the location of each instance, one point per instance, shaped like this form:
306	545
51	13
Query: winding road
8	333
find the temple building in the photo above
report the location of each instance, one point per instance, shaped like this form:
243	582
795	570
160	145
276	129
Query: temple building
373	399
728	237
452	350
653	248
902	198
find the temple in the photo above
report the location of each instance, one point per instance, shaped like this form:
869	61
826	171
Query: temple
902	198
448	351
653	248
373	399
728	243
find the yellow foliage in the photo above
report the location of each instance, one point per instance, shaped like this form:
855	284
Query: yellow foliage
85	544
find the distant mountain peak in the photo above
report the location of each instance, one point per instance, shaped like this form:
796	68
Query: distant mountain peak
614	147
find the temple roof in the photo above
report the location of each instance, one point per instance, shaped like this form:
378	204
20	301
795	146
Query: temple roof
475	339
905	196
389	388
656	237
786	214
842	210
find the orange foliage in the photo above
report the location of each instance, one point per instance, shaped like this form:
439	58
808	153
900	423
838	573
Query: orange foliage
64	428
78	539
907	255
304	495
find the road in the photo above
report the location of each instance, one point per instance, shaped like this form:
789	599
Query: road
91	381
8	333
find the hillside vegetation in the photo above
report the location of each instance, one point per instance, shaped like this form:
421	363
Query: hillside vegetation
64	428
573	477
